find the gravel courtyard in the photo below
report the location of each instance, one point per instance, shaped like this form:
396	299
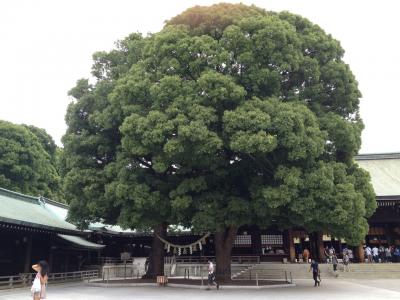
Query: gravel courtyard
330	289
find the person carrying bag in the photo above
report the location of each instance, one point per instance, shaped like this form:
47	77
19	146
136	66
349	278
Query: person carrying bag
38	288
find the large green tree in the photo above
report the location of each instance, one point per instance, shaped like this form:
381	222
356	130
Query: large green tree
230	115
101	182
26	162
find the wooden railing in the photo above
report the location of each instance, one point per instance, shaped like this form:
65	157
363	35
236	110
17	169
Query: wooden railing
204	259
25	279
9	282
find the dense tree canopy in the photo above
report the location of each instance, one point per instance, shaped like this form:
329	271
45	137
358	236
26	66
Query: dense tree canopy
230	115
46	141
26	160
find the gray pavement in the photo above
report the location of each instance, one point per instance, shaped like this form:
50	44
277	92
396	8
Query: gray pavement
330	289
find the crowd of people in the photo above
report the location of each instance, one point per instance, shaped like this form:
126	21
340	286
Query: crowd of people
375	254
332	257
330	254
382	254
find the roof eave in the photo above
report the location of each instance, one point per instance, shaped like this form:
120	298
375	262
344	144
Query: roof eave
40	226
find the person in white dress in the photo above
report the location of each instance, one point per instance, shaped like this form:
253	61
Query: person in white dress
38	288
211	275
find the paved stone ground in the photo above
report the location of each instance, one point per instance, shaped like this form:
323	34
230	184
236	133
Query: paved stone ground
330	289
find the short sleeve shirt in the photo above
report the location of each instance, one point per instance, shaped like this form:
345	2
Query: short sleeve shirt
314	267
210	268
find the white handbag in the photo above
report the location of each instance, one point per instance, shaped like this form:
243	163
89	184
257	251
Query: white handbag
36	286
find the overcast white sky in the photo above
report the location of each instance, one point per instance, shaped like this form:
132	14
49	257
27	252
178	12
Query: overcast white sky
45	46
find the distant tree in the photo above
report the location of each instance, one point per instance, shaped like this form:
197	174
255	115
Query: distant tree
230	115
26	162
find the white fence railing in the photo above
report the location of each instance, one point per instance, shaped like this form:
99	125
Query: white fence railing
122	271
25	279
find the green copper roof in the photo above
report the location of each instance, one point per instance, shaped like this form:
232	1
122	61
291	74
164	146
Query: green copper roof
384	170
80	242
16	208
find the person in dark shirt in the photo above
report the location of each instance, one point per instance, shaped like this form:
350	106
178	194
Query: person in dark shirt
335	262
315	270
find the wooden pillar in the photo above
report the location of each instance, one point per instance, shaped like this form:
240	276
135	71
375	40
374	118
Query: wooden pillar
256	240
360	253
388	234
51	258
292	250
66	262
340	246
89	257
28	255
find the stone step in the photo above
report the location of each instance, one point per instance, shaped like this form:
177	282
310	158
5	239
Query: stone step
300	271
237	271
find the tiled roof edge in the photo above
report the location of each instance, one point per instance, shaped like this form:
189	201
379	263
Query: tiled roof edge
378	156
40	226
388	198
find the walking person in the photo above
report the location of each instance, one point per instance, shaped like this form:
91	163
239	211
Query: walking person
345	250
375	254
332	251
368	254
396	254
388	254
299	253
346	263
316	273
327	256
211	276
382	255
334	262
351	255
306	255
38	288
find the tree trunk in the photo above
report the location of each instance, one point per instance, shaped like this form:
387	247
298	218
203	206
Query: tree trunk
156	258
360	253
313	236
321	249
224	240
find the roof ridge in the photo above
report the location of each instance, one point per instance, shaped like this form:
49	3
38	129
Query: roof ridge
55	202
39	200
20	196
